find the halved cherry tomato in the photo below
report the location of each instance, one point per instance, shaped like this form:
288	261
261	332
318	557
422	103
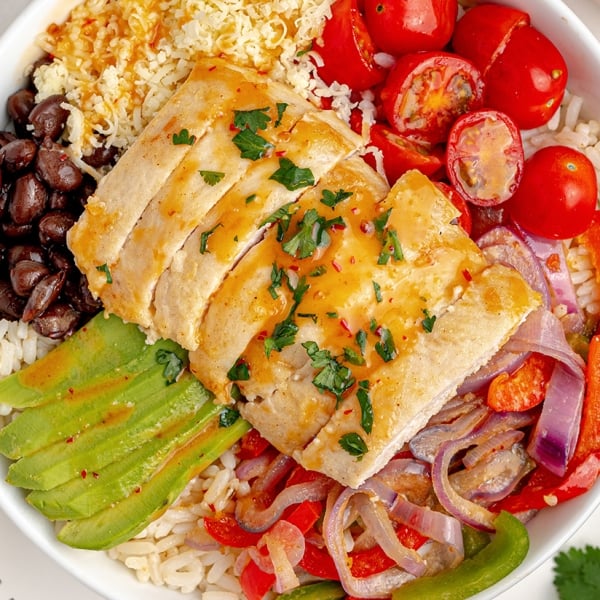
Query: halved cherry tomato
558	193
465	220
482	33
401	154
225	529
255	582
524	388
425	92
347	49
484	157
410	25
528	79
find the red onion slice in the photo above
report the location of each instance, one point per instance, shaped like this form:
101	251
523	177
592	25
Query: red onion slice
555	435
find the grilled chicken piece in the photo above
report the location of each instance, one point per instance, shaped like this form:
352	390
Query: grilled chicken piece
298	275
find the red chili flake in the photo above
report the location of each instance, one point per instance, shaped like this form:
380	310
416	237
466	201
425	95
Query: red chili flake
377	331
352	260
354	210
336	265
348	411
137	490
553	262
262	336
70	440
338	227
232	127
467	275
367	227
346	326
83	474
212	508
280	153
212	68
295	268
95	475
71	390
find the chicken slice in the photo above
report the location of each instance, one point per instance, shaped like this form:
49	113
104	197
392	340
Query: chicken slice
316	143
111	213
390	302
186	197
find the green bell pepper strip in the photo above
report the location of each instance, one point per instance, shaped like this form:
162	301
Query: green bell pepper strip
500	557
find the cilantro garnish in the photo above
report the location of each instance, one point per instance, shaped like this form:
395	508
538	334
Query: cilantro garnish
577	573
377	289
228	416
385	347
250	198
366	407
353	357
391	248
183	138
204	238
354	445
428	321
380	222
281	108
312	234
211	177
239	371
277	276
282	216
251	145
104	269
173	364
253	120
331	199
318	271
332	376
291	176
304	51
361	340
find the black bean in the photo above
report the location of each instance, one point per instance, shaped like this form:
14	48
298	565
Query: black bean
25	275
18	155
58	200
56	168
11	305
53	227
61	259
19	105
43	295
101	157
58	322
16	232
79	295
48	117
25	252
28	199
6	137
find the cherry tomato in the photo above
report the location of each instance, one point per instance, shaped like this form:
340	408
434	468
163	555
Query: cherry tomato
411	25
347	49
426	91
465	220
401	154
527	80
558	193
484	157
482	33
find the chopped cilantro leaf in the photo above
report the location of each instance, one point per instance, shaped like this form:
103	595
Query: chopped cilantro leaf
282	216
366	407
277	276
250	198
320	270
251	145
183	138
361	340
332	376
251	119
284	334
331	199
281	108
104	269
305	51
228	416
377	289
353	357
428	321
354	445
239	371
173	365
385	347
312	234
381	221
204	238
211	177
291	176
391	248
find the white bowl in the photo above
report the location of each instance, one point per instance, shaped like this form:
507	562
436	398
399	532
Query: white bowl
548	531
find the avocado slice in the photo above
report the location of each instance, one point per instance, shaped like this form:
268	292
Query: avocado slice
84	497
102	344
105	397
111	439
123	520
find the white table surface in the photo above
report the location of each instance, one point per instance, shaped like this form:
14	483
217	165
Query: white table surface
26	573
